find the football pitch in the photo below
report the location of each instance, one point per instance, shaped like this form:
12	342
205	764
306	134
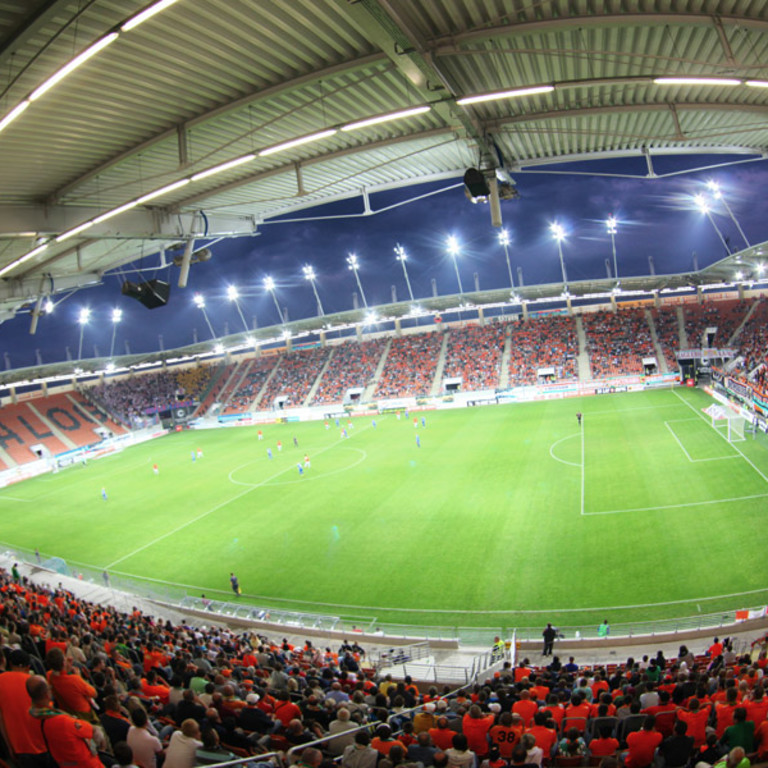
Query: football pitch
503	516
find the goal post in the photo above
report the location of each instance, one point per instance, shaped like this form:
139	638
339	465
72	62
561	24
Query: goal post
729	423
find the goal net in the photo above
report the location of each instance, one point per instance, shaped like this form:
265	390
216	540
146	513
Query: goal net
730	424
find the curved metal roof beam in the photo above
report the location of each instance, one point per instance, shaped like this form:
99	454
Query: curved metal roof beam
448	44
244	101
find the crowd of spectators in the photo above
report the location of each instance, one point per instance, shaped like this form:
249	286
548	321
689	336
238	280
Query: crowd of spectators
132	397
410	366
753	342
353	365
668	333
474	353
128	690
726	316
241	399
618	342
296	373
542	342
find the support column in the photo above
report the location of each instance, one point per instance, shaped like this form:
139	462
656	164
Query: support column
323	339
741	291
45	389
699	294
481	315
359	332
525	310
614	308
656	299
14	399
398	327
569	305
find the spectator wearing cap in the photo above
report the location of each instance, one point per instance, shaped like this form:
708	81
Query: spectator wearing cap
424	719
360	754
252	718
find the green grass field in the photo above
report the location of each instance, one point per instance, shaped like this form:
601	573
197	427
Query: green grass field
505	515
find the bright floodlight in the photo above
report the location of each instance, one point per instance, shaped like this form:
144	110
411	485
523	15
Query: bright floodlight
232	293
760	269
269	284
503	237
714	187
452	244
371	318
218	349
352	261
400	253
309	272
117	315
557	231
739	275
84	316
199	300
701	203
48	307
611	224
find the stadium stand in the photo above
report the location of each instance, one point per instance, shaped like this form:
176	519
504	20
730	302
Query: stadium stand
250	385
546	342
257	694
410	366
753	340
726	316
474	353
296	373
618	342
668	333
352	365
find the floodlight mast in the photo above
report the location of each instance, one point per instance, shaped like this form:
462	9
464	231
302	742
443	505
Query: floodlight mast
269	285
234	295
454	249
402	256
309	274
117	316
718	195
200	304
611	224
353	264
559	234
703	206
82	318
504	241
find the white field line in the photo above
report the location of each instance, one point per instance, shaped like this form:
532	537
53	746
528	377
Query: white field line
497	612
13	498
583	478
692	460
211	511
735	448
678	506
677	440
554	445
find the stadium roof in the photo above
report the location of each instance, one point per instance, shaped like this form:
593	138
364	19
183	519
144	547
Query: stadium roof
153	105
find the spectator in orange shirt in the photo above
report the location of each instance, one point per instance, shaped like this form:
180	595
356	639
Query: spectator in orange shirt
475	727
578	708
696	717
24	734
546	738
604	745
724	712
507	734
716	649
522	670
525	708
383	742
71	692
757	706
442	735
641	745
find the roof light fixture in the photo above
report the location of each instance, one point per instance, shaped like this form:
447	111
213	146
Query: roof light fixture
696	81
147	13
297	142
223	167
513	94
403	113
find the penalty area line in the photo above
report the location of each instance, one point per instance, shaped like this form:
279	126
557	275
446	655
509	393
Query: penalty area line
677	506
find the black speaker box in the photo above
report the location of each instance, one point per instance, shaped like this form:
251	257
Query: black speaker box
152	293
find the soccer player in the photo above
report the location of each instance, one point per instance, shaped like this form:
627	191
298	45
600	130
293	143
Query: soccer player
155	469
279	446
418	441
295	442
423	422
300	468
260	434
269	453
415	422
306	460
578	417
327	425
104	494
373	423
194	455
235	583
344	433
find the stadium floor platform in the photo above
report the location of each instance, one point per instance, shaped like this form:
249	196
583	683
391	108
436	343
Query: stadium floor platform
586	652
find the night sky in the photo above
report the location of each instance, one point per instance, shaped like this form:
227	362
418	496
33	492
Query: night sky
656	217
